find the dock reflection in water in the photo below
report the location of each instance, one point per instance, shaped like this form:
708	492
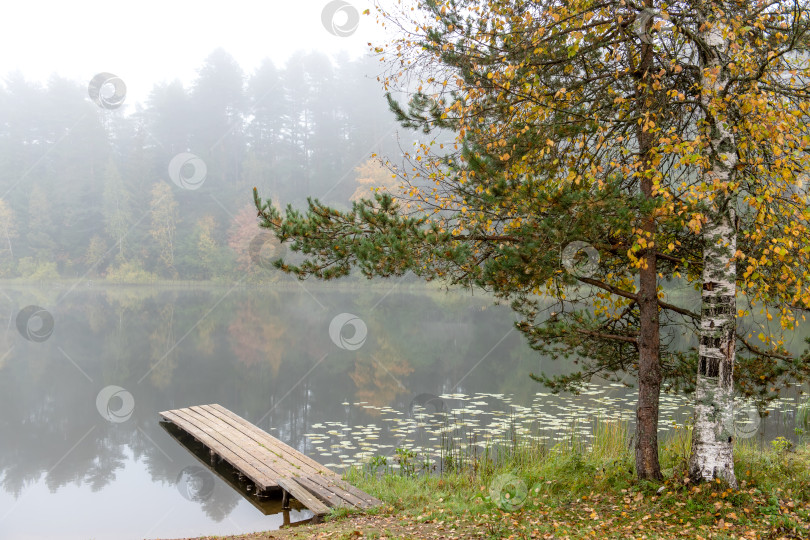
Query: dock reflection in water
198	482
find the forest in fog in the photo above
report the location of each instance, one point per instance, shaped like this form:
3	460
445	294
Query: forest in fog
87	192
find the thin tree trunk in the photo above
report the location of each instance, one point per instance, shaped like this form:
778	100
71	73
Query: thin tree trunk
712	437
649	368
8	240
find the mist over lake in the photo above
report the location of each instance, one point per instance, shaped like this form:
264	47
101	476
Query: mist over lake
266	354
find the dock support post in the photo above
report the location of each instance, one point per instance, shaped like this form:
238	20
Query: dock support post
285	500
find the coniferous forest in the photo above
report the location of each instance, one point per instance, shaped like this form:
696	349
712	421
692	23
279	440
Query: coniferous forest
162	189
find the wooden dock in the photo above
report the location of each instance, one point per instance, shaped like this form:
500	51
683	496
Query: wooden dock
269	463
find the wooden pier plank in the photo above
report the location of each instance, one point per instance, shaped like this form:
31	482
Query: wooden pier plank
350	493
262	476
267	461
211	442
280	457
303	459
272	442
275	462
225	441
252	455
331	497
291	486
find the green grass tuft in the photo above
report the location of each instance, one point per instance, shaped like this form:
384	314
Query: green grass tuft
593	478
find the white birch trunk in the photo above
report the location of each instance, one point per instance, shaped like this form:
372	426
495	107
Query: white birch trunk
712	437
8	240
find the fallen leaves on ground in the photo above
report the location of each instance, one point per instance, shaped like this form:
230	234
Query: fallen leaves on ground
697	512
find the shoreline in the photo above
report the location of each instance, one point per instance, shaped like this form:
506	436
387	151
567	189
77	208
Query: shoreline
566	492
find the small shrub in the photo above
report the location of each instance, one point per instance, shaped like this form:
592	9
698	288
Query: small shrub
405	459
32	270
130	272
781	445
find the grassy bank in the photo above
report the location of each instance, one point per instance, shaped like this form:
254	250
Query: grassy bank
574	490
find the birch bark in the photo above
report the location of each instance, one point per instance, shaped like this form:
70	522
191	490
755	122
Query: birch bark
712	436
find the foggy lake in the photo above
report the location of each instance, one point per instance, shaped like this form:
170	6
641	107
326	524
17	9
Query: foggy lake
475	197
336	373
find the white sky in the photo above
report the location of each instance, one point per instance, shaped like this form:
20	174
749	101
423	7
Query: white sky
150	41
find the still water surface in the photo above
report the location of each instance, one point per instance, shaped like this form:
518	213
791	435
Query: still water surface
336	374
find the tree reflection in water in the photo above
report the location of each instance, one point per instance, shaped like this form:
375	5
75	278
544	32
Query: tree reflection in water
252	351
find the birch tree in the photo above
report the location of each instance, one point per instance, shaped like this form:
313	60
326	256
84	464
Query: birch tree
8	228
753	156
163	224
712	450
117	208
